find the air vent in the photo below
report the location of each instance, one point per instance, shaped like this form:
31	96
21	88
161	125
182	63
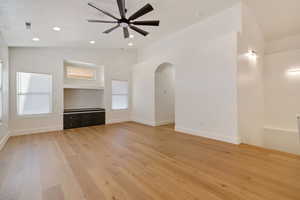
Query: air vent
28	25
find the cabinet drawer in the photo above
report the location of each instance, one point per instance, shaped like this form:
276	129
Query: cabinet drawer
71	124
92	115
72	117
92	119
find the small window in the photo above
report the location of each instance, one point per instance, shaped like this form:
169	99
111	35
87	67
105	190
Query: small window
83	73
119	95
34	93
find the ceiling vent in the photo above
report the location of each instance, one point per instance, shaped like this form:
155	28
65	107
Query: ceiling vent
28	25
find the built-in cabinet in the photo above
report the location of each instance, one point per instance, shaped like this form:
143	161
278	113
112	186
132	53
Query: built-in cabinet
84	103
76	118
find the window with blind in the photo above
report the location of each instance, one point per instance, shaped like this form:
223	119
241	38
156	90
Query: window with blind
34	93
119	95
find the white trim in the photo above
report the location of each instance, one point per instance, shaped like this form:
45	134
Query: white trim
35	130
116	120
281	129
32	116
4	140
124	109
83	86
164	123
141	121
208	134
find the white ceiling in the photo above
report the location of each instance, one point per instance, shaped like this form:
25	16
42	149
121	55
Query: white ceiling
277	18
71	16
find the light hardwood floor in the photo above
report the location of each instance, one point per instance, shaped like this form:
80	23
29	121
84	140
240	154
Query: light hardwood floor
130	161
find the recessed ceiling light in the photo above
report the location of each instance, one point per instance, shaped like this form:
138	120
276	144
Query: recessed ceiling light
131	36
28	25
56	28
294	71
252	54
130	44
92	42
35	39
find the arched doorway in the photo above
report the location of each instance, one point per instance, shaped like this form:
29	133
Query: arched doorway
165	94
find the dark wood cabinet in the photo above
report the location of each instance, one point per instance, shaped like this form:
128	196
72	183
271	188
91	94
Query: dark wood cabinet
77	118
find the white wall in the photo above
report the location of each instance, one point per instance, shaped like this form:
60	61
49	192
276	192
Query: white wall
4	131
282	90
204	56
117	64
282	101
250	80
165	94
143	99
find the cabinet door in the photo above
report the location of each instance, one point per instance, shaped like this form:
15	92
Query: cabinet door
92	119
71	121
99	118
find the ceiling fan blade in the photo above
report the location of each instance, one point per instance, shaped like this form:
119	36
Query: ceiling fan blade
101	21
146	23
126	32
121	5
143	11
103	11
111	29
140	31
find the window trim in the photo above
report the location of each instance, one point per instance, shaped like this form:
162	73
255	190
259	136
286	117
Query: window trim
127	94
51	113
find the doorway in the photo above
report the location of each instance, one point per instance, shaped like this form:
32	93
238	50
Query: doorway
165	95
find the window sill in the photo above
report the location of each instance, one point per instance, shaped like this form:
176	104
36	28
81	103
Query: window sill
36	116
126	109
3	125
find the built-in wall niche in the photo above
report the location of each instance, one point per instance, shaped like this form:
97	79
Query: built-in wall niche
83	75
83	98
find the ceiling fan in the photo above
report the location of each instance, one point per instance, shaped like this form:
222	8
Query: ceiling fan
125	22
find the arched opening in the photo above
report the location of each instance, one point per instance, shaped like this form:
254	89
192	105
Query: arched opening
165	95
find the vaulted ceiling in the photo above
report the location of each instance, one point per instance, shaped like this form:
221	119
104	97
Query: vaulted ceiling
277	18
71	16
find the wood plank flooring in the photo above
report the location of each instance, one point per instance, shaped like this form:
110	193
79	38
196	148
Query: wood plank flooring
130	161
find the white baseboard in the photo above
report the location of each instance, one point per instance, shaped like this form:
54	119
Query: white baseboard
115	121
281	129
280	139
208	134
4	140
141	121
164	123
35	130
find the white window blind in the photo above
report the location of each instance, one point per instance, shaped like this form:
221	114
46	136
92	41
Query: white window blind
119	95
34	93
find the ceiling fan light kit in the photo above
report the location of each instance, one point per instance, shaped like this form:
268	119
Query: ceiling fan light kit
124	22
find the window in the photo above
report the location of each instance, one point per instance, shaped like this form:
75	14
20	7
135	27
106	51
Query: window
119	95
84	73
1	91
34	93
